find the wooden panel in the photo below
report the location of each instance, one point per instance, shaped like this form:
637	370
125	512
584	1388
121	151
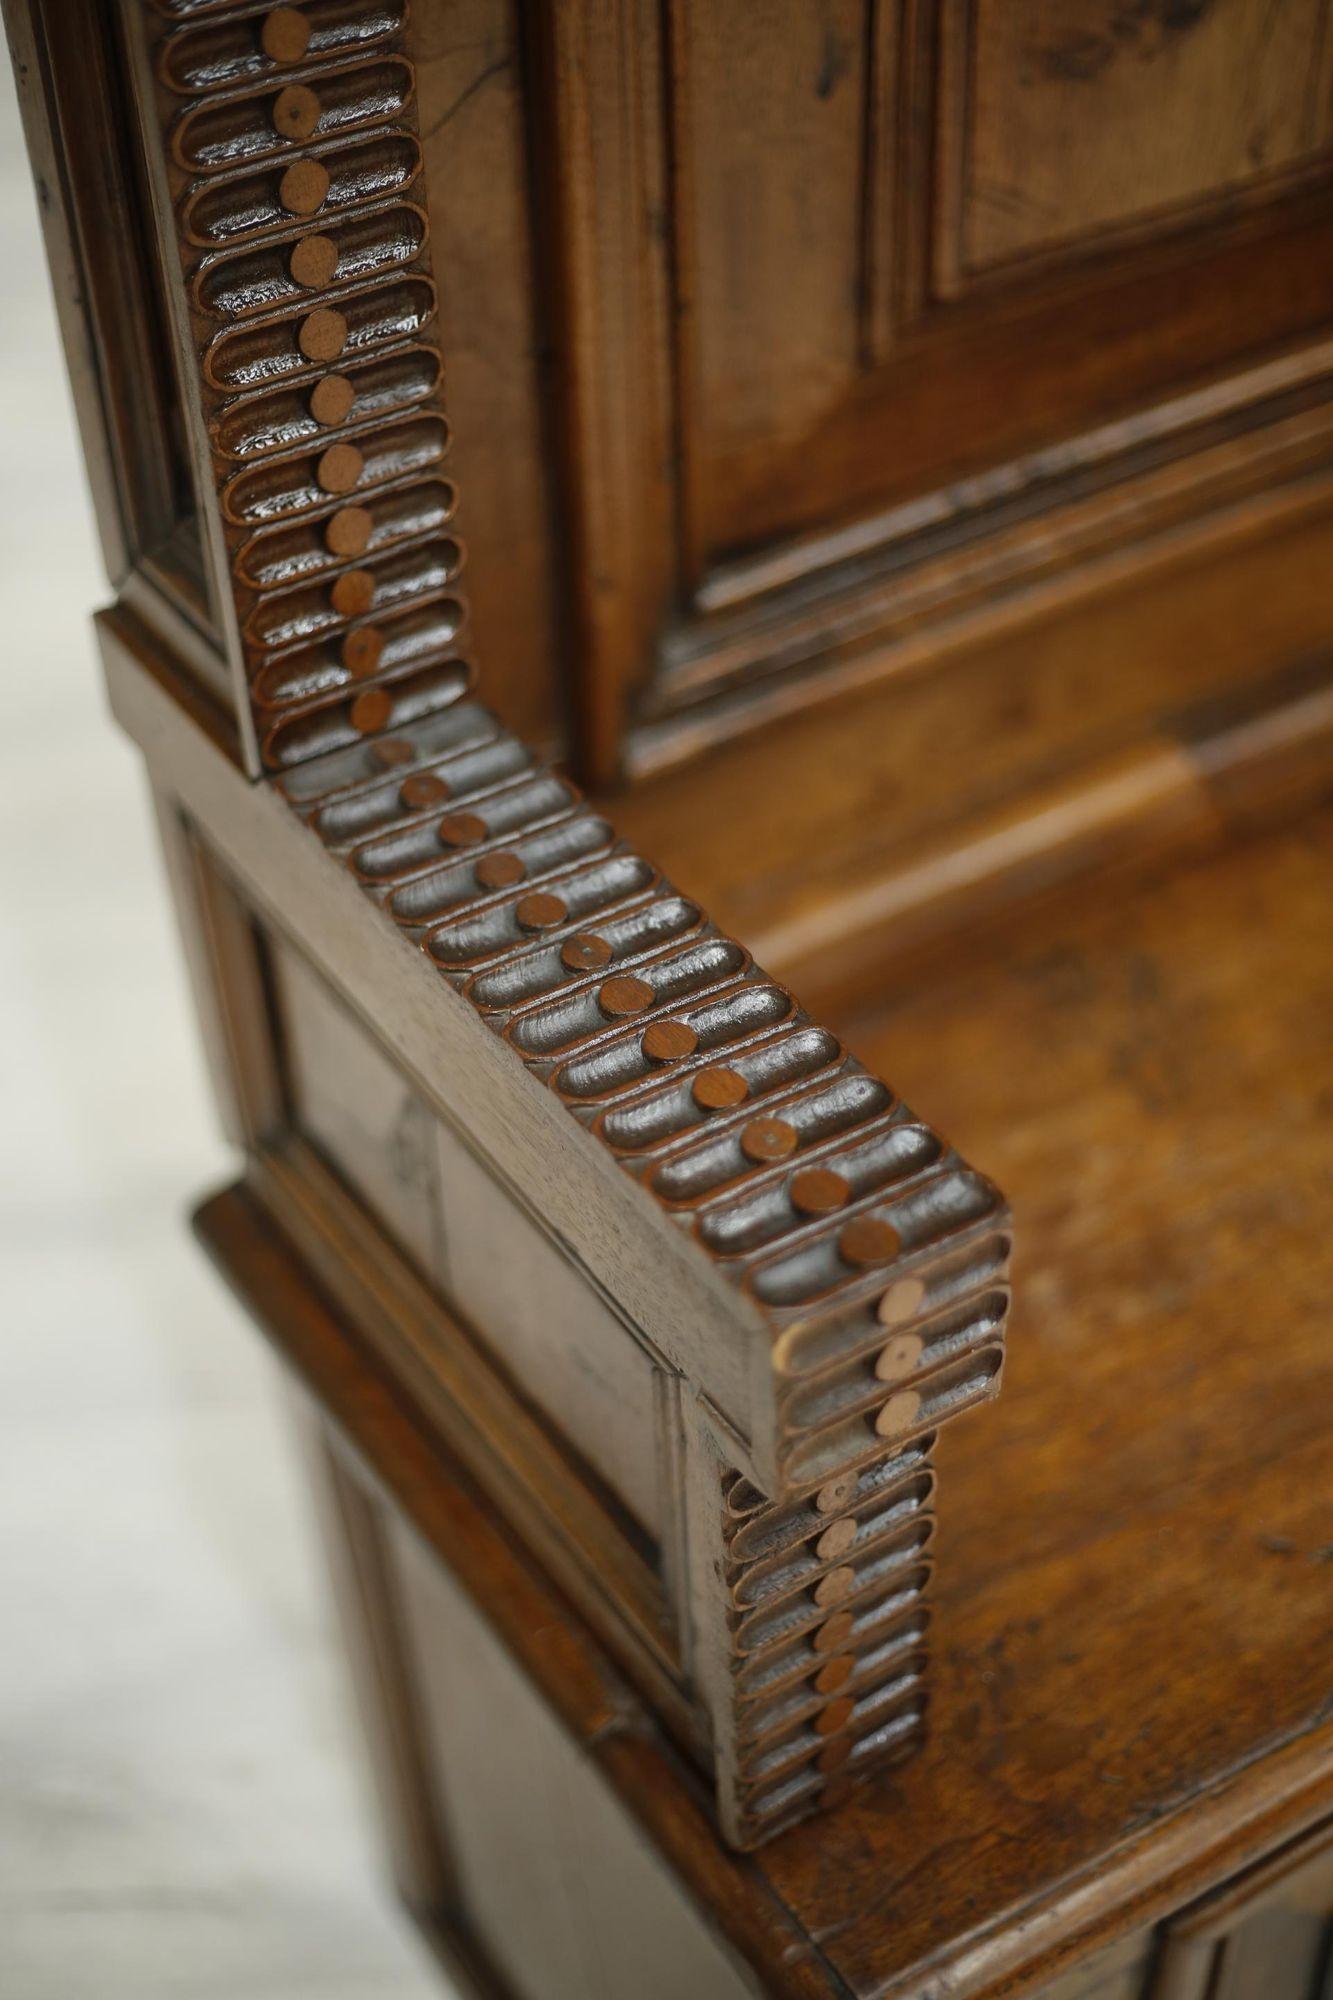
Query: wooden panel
562	1343
557	1342
794	434
882	469
349	1097
1074	121
1115	1974
1270	1932
292	1054
558	1881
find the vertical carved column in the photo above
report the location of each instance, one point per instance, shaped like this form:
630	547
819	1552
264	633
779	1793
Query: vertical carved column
836	1277
292	167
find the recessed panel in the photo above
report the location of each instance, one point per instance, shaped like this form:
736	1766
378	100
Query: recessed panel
352	1101
560	1341
1081	116
567	1353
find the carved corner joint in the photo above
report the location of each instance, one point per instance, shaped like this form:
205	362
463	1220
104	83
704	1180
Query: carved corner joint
866	1262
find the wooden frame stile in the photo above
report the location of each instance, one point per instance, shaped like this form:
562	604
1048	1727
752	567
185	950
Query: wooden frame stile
129	386
600	78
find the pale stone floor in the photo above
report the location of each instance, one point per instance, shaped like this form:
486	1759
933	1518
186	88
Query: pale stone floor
180	1812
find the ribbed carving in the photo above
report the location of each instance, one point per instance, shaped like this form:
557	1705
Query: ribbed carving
827	1625
876	1259
292	159
879	1257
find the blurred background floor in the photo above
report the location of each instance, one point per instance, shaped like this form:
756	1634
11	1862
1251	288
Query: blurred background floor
179	1810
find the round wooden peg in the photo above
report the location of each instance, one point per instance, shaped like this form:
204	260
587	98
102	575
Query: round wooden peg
835	1494
285	35
834	1673
868	1239
718	1089
624	995
370	711
669	1041
817	1191
899	1357
836	1539
540	911
898	1414
322	334
295	112
904	1297
361	650
766	1139
835	1717
353	593
304	187
500	871
834	1633
339	468
348	531
331	401
423	788
461	829
585	953
831	1589
313	262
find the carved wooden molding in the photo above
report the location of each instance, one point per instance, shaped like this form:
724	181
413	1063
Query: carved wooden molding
868	1261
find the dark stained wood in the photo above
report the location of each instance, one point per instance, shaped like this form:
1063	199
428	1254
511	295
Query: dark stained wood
1006	481
1103	1715
1112	1732
914	493
400	1459
781	1342
897	403
1268	1931
471	65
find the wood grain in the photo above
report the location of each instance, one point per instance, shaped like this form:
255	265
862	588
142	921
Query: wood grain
1111	1733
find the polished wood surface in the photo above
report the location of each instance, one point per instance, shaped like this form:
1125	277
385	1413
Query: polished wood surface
1131	1647
926	414
920	494
287	201
804	428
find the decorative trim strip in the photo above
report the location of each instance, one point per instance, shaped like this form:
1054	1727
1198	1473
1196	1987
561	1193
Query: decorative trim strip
293	161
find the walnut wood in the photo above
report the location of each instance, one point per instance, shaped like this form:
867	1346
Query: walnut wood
714	1287
810	1245
1138	1735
